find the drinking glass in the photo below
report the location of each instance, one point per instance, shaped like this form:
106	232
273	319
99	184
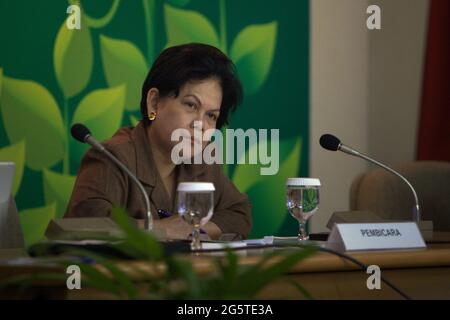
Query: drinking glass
195	205
302	201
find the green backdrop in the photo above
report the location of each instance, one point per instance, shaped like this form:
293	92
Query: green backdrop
51	77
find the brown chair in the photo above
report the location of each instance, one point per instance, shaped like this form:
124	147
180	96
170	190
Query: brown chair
11	236
389	197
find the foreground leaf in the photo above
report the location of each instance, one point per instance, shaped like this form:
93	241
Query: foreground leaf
139	239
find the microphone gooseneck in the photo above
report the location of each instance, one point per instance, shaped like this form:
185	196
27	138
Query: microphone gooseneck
82	134
332	143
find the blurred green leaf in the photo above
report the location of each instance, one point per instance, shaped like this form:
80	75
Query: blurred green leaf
231	287
58	189
252	52
102	112
269	194
30	113
124	63
300	288
16	154
252	282
225	284
123	281
180	280
185	26
99	280
230	268
73	59
116	282
183	272
35	221
234	281
24	281
139	239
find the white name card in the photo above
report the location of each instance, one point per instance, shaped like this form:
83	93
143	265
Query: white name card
375	236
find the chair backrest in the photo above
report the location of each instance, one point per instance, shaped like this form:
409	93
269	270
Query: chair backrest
389	197
11	236
7	171
10	230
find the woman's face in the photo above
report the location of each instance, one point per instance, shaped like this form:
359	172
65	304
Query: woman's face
197	101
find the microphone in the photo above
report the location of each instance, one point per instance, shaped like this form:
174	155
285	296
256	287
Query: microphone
332	143
82	134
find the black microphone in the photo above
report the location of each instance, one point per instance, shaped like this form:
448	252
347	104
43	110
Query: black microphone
82	134
332	143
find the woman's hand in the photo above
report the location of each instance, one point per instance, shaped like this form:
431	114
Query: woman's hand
174	227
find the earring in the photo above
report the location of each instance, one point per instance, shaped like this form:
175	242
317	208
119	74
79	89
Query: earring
152	116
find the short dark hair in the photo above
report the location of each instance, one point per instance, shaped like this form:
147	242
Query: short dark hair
177	65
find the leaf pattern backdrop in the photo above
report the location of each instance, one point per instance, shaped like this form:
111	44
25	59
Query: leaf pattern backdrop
52	77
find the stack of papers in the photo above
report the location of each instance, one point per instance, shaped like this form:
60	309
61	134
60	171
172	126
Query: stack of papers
271	240
223	245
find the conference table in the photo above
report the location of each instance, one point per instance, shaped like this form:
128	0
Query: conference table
421	274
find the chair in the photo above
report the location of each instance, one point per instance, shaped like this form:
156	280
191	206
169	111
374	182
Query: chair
389	197
11	236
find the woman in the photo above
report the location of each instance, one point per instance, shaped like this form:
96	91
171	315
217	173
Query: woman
191	87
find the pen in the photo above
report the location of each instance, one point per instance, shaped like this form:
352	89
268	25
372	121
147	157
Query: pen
166	214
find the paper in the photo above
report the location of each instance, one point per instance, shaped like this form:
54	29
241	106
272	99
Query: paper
223	245
272	240
267	240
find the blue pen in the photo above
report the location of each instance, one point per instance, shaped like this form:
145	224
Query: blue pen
164	213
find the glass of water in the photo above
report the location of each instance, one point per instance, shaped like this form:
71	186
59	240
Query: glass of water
195	205
302	201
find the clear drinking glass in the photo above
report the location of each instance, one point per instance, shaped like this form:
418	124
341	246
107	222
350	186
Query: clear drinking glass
302	201
195	206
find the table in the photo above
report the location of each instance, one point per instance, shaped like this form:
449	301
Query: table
422	274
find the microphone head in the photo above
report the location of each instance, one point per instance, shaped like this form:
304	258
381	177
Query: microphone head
80	132
329	142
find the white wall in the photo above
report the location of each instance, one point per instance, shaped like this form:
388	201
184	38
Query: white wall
396	59
365	88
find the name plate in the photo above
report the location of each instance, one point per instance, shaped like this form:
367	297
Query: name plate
375	236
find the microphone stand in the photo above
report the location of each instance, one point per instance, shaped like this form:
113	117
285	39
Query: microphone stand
416	209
